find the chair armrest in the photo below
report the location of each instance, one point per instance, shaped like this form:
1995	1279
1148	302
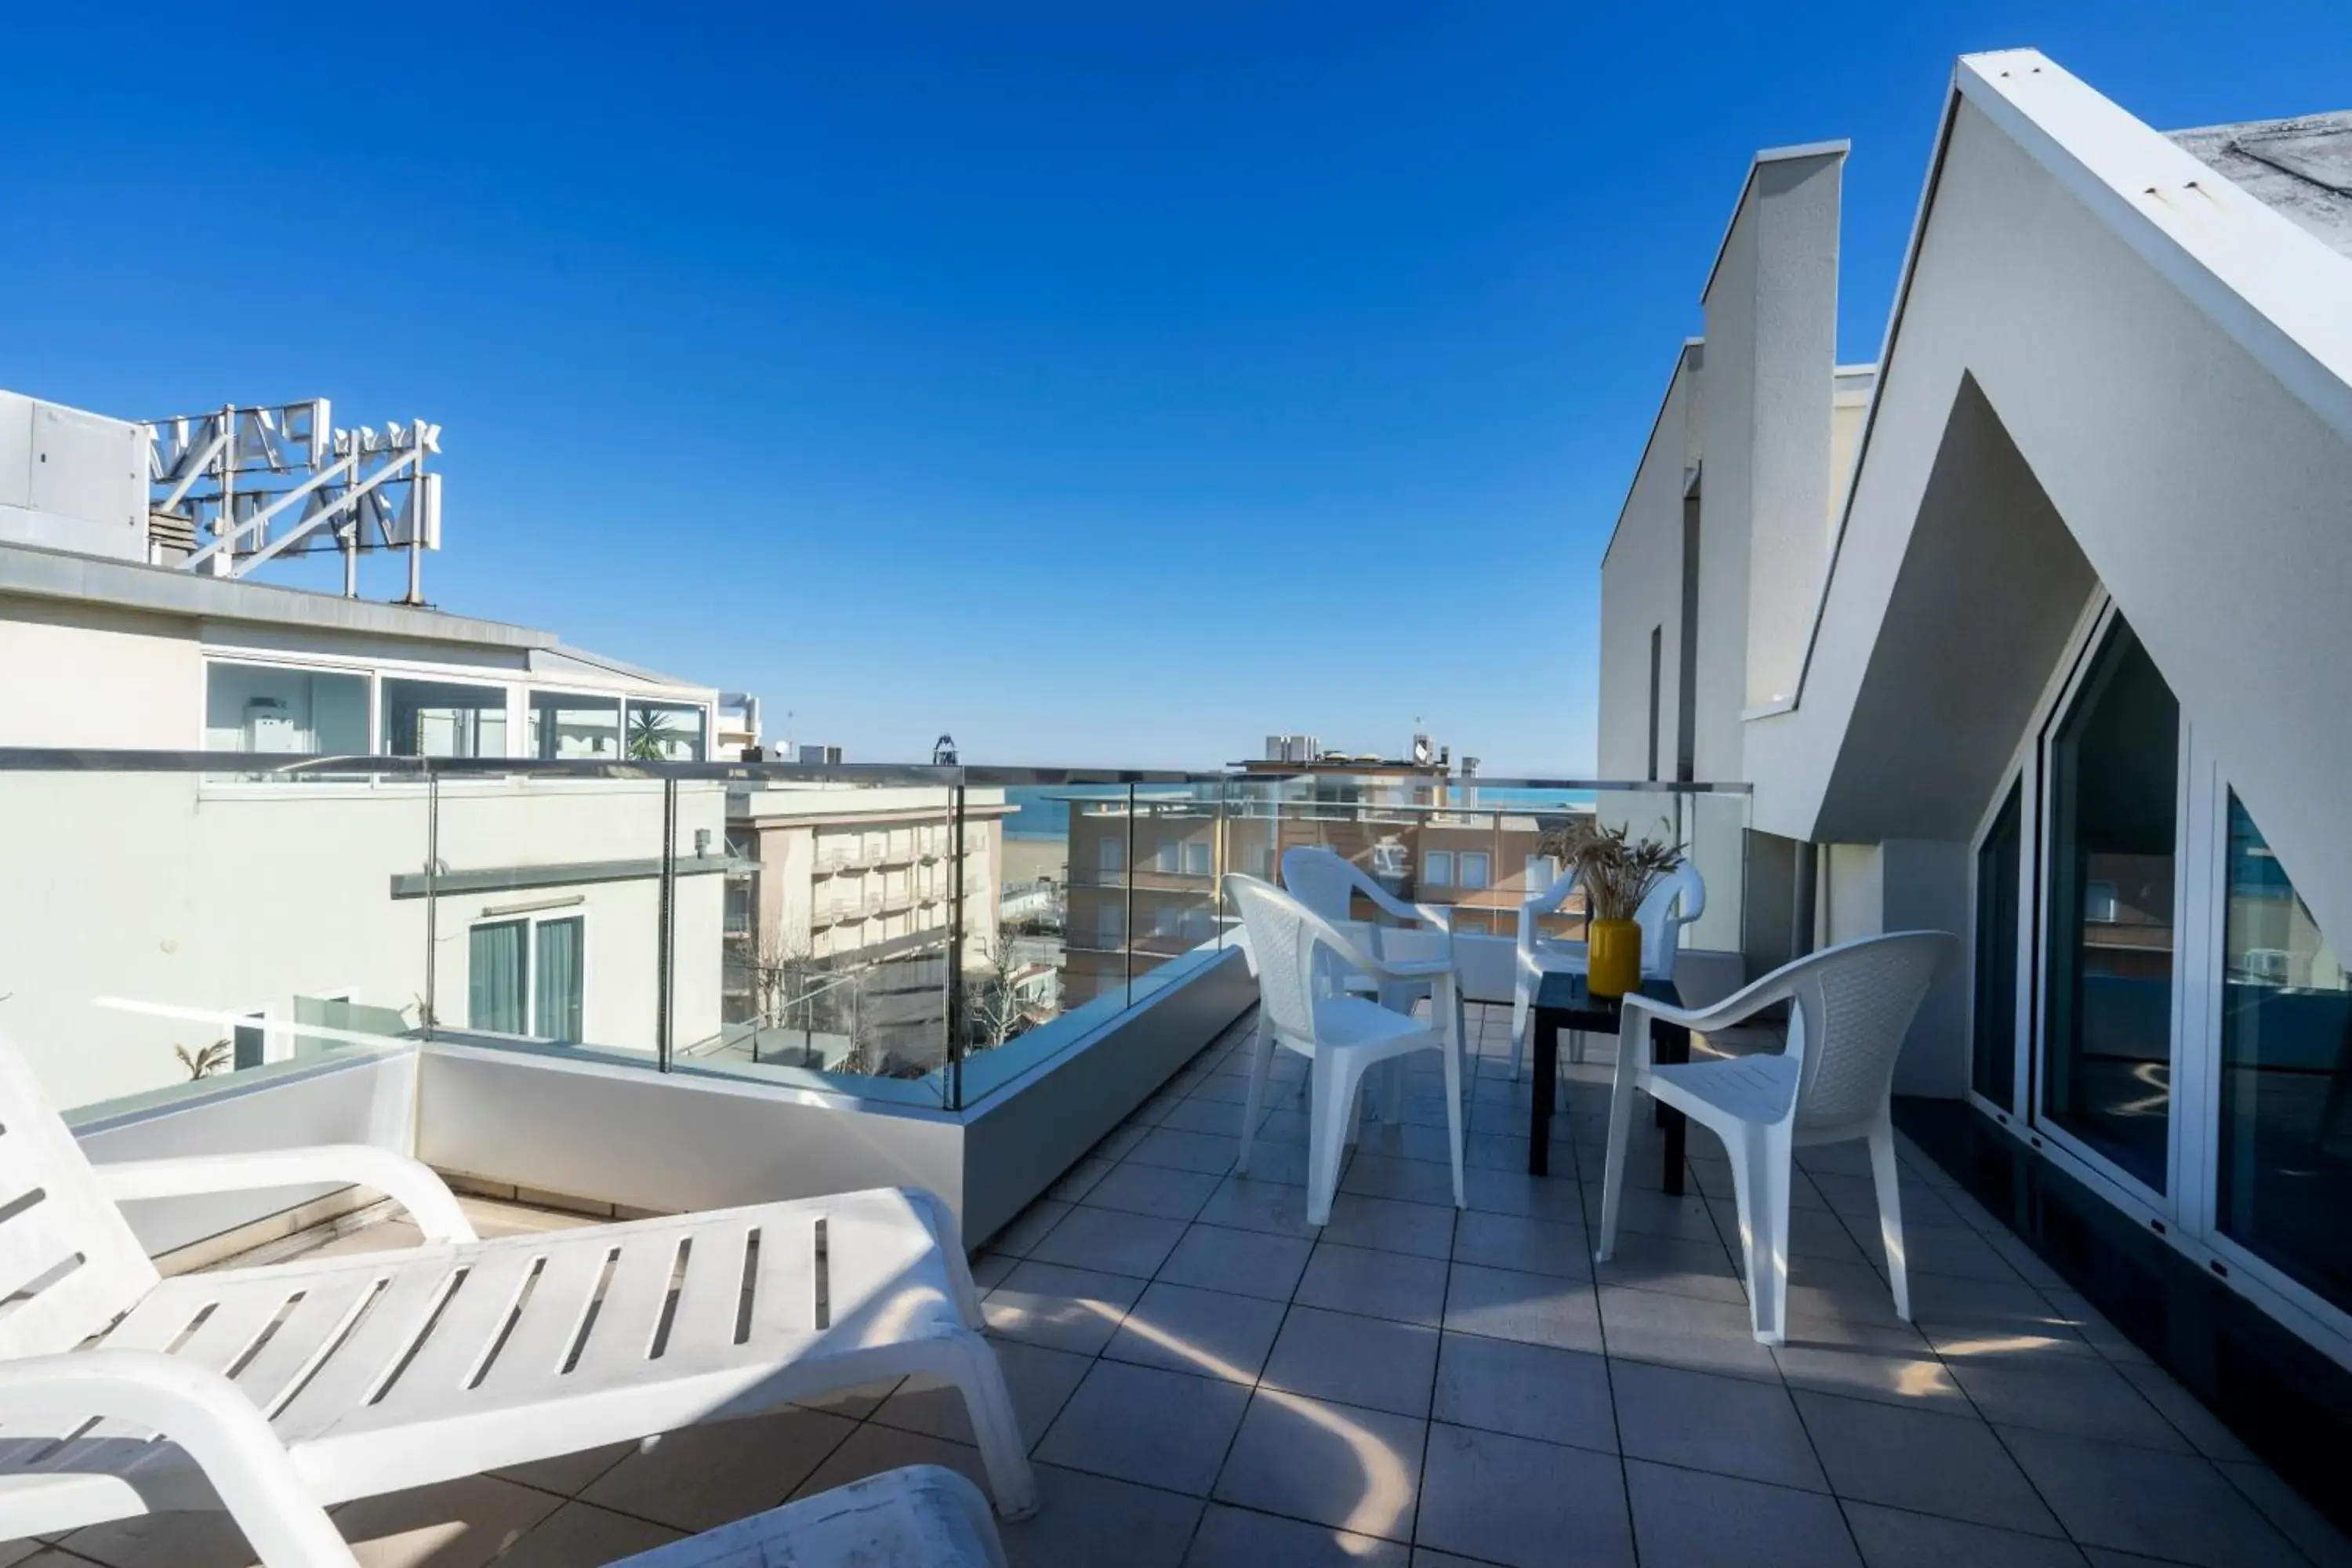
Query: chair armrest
196	1407
1743	1004
1422	914
410	1182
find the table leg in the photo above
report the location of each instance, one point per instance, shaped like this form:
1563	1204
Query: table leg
1670	1046
1546	1029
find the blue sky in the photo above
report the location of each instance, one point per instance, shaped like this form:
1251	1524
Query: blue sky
1103	384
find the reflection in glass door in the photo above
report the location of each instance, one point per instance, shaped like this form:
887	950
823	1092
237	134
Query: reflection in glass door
2114	772
2284	1176
2000	859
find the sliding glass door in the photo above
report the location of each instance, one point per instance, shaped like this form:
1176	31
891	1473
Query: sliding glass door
2113	781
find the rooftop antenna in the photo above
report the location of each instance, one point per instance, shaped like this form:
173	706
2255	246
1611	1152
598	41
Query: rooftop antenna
234	488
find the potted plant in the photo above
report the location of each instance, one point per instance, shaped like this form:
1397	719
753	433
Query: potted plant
1618	873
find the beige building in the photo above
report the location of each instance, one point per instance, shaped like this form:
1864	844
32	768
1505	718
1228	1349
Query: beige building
837	918
1144	884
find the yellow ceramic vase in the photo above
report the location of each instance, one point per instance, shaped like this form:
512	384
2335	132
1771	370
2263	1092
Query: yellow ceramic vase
1613	958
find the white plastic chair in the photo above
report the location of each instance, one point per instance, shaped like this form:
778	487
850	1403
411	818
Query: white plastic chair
1302	1007
1327	882
273	1391
1679	899
1852	1004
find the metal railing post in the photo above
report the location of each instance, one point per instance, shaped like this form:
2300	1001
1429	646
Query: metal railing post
1127	894
954	982
667	941
432	1008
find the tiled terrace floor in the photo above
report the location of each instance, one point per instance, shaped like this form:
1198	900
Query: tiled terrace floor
1205	1381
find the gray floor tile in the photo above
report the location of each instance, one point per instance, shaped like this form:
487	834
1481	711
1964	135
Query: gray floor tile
872	1449
1352	1360
1404	1181
1865	1361
1062	1309
1109	1242
1040	1380
1209	1333
2294	1515
1211	1153
1894	1538
2202	1428
1257	1203
1530	1505
1079	1180
701	1477
1680	1267
1730	1425
2065	1393
1374	1283
1217	1119
2176	1506
1526	1391
1140	1424
1686	1519
1983	1316
1116	1144
1239	1538
1652	1214
1530	1245
1555	1197
579	1532
1424	1230
1684	1330
1244	1262
1084	1518
1844	1292
1949	1466
1536	1309
1028	1227
1159	1191
1357	1470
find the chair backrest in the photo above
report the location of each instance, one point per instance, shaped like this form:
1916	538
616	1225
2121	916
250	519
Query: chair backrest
1288	939
69	1263
1853	1005
1679	899
1322	879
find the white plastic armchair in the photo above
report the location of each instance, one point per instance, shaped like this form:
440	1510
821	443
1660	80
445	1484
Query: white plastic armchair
1678	900
1852	1005
1327	882
1304	1007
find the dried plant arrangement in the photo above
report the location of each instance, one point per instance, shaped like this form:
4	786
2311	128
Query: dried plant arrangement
1617	871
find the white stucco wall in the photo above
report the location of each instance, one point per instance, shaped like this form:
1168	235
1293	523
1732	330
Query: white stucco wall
2212	501
228	896
1642	587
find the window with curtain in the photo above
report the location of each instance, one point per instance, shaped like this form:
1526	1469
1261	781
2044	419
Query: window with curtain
558	983
497	954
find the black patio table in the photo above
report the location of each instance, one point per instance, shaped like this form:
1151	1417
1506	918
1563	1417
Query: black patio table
1564	1002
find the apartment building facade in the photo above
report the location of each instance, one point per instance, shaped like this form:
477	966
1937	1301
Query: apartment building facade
838	915
248	900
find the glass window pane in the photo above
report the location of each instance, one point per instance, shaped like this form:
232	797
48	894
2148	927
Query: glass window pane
557	979
1993	1065
665	731
1113	852
495	956
1437	869
442	719
1475	869
564	726
2115	771
262	708
1196	858
2286	1177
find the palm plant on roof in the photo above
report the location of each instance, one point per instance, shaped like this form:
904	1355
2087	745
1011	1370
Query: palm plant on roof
651	734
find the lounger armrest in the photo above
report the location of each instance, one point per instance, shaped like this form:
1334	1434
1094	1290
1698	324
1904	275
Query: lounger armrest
410	1182
202	1412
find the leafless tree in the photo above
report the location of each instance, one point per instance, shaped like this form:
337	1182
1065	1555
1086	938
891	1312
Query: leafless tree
994	1007
784	973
